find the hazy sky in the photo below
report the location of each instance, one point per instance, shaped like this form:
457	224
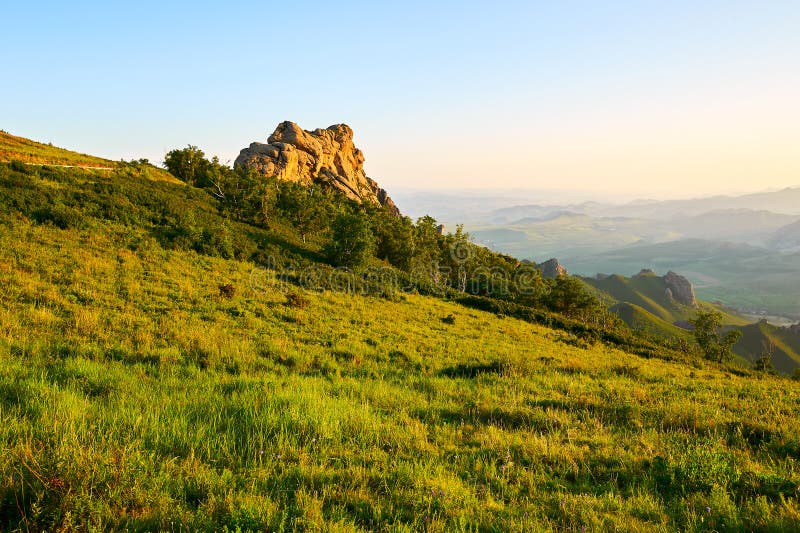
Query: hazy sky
650	98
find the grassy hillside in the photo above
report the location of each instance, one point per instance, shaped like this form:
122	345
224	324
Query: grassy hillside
647	291
757	337
149	383
640	302
641	319
26	151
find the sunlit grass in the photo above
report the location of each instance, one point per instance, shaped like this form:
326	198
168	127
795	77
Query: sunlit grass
134	395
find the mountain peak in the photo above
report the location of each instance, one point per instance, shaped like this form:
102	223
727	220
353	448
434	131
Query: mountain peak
327	156
552	269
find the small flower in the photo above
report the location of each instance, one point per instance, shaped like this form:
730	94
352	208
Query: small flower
708	510
260	452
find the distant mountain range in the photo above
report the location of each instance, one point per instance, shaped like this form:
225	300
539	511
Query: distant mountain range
741	250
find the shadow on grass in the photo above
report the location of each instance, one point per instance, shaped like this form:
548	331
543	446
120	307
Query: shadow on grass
472	370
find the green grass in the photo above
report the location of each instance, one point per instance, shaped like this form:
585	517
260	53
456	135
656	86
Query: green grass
639	318
136	394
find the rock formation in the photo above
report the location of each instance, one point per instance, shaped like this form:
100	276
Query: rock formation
552	269
679	289
321	156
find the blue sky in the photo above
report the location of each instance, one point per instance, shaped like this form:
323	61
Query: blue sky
619	97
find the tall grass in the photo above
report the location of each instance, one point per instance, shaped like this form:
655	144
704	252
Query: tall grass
133	395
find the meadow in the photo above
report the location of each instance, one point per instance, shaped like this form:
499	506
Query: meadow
148	383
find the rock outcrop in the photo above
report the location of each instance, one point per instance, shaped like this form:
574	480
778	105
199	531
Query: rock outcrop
552	269
321	156
679	289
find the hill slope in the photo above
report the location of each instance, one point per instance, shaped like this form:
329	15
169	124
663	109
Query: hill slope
648	292
149	383
26	151
756	338
640	302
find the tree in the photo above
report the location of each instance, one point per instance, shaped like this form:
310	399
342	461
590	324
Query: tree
394	238
306	208
426	253
707	333
188	164
764	362
353	243
568	296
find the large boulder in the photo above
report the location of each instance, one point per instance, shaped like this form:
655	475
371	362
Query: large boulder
321	156
679	289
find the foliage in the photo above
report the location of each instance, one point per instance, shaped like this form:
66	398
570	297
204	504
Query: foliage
715	347
352	243
394	238
569	296
189	165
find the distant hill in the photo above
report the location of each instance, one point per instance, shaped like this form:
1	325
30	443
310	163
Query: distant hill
641	319
733	225
751	278
785	201
787	238
782	202
641	303
656	295
786	342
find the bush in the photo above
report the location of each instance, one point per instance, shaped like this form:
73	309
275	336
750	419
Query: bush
19	166
59	215
227	291
297	300
449	319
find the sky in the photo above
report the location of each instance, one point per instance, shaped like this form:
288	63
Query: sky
644	98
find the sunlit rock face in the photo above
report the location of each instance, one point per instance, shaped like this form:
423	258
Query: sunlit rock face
327	156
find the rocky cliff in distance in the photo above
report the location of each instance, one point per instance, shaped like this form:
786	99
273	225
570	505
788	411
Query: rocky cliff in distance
327	156
552	269
676	288
679	289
